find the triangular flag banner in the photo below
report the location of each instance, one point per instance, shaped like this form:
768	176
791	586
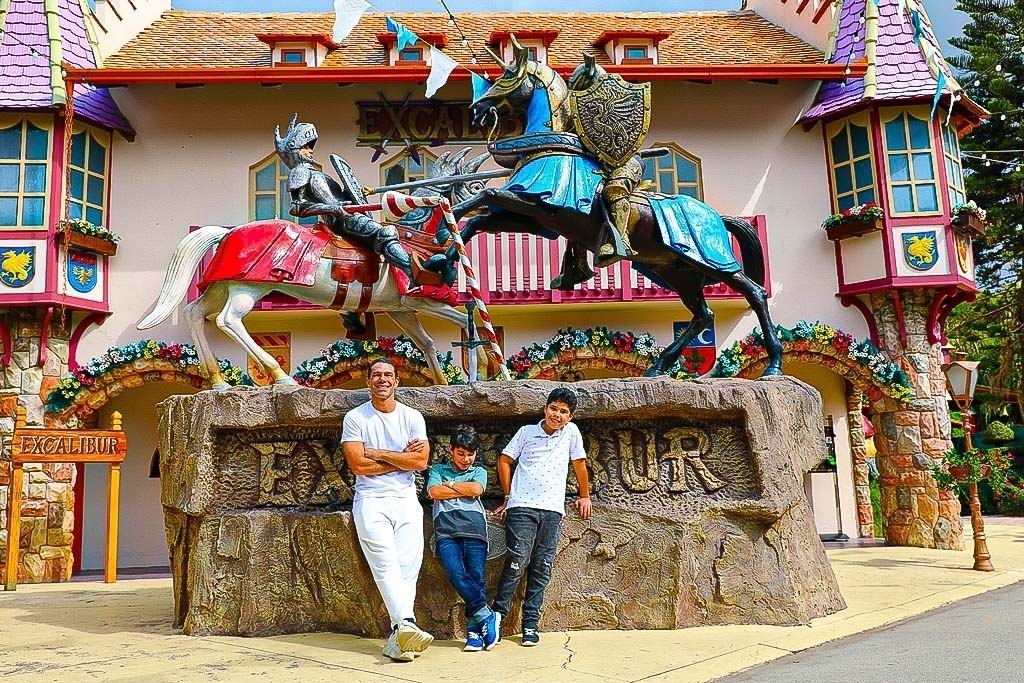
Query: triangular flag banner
347	14
915	19
480	85
405	36
441	66
938	93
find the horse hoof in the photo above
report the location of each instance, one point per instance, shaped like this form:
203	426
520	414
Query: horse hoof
772	372
286	381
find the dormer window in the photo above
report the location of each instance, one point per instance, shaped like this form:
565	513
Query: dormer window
290	50
417	54
631	47
536	42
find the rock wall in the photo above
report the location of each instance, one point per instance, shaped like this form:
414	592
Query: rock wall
48	498
699	512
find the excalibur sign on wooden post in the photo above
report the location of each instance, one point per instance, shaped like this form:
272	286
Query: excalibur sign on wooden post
33	445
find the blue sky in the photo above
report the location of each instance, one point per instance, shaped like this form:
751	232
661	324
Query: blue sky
947	21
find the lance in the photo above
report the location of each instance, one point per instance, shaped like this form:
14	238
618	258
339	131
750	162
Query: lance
443	180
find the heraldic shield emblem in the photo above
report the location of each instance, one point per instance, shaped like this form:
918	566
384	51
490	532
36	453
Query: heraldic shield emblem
920	249
17	266
82	271
613	117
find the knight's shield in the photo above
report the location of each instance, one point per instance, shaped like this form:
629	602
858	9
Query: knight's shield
352	187
82	271
17	266
921	249
612	118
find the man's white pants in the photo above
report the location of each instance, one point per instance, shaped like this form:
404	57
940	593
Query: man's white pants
391	534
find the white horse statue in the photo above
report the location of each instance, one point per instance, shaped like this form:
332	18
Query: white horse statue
311	264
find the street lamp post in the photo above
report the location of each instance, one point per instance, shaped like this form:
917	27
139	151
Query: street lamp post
961	379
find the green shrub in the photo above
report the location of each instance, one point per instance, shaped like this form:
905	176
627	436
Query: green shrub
998	432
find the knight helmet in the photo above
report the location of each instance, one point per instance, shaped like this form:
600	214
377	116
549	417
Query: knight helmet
297	136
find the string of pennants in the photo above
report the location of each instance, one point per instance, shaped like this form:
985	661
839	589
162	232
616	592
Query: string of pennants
348	13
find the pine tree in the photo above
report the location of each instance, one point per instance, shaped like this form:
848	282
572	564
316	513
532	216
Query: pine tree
992	72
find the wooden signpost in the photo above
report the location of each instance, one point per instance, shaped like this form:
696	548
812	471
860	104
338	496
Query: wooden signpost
34	445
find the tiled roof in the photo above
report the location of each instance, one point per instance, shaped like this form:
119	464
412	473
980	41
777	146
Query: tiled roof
27	80
184	39
900	69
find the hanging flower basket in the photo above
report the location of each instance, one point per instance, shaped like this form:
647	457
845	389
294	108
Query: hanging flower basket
962	473
853	222
84	235
968	218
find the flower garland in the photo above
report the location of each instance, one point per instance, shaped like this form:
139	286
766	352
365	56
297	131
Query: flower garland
864	213
399	350
971	208
85	376
86	228
806	336
593	339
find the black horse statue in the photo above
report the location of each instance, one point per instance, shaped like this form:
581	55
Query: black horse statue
677	241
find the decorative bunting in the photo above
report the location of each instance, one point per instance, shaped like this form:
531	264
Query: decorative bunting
940	86
915	20
405	36
347	14
480	85
441	66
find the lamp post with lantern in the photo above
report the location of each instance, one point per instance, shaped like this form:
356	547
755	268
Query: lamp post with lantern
961	379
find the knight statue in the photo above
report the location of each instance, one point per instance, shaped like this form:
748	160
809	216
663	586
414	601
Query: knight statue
612	118
314	193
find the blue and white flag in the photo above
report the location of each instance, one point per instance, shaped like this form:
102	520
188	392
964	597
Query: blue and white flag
940	86
405	36
347	14
915	20
480	85
441	66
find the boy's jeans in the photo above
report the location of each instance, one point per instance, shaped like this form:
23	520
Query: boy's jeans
463	560
531	536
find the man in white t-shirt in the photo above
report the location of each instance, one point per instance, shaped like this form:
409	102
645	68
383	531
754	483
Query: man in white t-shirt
535	503
384	443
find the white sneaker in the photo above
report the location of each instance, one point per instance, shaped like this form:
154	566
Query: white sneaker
411	638
393	651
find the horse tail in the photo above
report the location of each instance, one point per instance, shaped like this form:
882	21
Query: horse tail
750	247
187	256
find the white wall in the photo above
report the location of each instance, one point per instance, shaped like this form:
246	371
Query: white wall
118	21
801	25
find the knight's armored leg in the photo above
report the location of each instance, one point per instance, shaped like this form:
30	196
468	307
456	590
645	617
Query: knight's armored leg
386	243
353	322
619	247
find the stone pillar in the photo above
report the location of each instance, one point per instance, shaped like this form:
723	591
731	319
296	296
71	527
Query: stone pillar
859	452
48	499
911	437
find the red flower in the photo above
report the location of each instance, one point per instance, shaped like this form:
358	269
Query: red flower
386	343
842	341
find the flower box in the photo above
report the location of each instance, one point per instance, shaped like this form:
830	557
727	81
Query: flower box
89	243
969	223
853	228
963	472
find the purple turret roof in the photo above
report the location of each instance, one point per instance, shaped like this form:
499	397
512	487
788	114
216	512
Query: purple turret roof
27	80
900	70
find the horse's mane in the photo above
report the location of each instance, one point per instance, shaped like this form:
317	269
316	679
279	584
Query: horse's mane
558	93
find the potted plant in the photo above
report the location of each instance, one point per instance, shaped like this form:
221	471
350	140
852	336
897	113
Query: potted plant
854	222
78	232
998	433
969	217
959	468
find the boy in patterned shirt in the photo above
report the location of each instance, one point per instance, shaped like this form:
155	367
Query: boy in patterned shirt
535	502
460	528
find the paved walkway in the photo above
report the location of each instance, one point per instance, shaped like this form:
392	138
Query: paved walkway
974	640
121	632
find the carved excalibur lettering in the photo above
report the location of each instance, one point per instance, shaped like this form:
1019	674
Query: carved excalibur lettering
688	445
638	462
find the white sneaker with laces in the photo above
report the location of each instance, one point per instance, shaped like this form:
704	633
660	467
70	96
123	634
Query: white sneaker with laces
411	638
394	652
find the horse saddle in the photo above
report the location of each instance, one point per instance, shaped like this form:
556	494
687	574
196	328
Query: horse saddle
353	262
510	151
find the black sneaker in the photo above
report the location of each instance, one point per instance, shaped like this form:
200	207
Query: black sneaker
530	637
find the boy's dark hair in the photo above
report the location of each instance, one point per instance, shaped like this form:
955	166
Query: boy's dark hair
466	437
377	361
564	395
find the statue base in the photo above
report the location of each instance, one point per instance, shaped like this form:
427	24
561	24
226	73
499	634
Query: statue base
699	512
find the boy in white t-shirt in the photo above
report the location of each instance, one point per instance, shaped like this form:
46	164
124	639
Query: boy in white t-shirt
535	502
385	443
